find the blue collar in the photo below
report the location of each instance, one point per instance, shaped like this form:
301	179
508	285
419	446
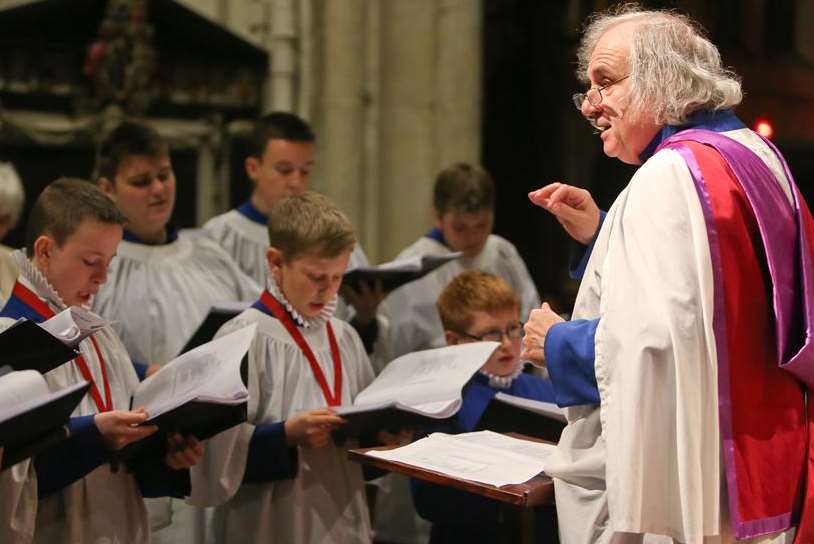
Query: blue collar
716	121
15	308
436	234
251	213
172	235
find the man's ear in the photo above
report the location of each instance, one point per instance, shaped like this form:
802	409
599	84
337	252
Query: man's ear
252	166
105	185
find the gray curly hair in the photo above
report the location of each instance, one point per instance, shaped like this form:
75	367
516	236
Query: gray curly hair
674	69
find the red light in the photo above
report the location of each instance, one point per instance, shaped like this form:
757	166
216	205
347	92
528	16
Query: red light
764	128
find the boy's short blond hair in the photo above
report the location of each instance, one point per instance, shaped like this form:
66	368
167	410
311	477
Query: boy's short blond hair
309	223
473	291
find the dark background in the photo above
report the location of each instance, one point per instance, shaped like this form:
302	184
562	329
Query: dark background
529	132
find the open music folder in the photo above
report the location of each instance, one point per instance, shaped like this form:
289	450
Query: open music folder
511	414
32	418
415	391
202	393
396	273
27	345
508	468
219	314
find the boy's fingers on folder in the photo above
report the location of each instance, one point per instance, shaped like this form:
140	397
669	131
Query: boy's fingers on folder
312	428
365	300
399	438
120	428
183	452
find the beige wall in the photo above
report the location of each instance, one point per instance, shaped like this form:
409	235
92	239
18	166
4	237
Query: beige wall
392	88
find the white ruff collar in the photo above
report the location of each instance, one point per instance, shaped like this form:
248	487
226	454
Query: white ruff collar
503	382
36	280
308	322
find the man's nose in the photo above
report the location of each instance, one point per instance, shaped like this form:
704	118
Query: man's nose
589	110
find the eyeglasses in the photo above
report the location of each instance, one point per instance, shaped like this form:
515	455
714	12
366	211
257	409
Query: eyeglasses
593	95
512	333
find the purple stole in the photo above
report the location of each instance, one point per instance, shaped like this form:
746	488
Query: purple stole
762	255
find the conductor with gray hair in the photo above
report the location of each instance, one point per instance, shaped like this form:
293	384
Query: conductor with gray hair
686	368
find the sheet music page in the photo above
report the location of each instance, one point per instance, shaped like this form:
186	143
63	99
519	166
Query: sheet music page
431	378
529	448
210	373
547	409
496	460
74	324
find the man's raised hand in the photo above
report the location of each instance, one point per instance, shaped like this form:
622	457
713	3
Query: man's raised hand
573	207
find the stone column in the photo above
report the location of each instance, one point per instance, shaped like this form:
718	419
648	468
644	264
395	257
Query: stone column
281	85
393	90
408	136
338	113
459	81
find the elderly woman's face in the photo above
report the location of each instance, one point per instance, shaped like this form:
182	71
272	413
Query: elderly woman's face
624	135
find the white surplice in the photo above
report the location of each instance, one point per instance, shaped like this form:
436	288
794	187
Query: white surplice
409	321
325	503
650	454
247	241
103	506
18	503
156	296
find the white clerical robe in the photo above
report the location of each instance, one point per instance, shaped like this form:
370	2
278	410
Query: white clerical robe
649	281
18	503
103	506
247	241
325	503
157	295
409	321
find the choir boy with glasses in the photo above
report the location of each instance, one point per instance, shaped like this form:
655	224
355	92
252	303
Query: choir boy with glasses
463	205
280	476
478	306
75	491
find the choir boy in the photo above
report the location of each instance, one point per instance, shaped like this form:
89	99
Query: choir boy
478	306
72	236
280	478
